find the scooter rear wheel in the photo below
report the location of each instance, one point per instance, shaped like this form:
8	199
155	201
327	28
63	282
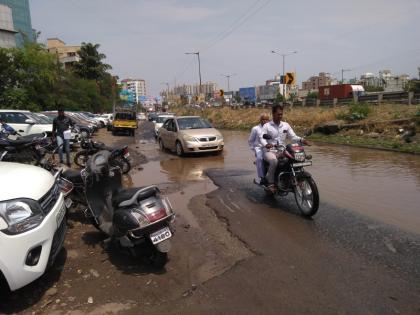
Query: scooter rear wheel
158	259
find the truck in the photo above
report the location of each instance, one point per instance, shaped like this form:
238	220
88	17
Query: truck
124	120
340	91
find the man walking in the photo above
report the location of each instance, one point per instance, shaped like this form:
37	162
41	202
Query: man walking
255	145
278	131
62	130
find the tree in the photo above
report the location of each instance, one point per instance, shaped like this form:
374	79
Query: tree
279	98
90	65
312	95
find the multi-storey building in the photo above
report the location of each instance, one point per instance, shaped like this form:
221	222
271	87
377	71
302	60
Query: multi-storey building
314	82
136	86
7	32
21	20
66	55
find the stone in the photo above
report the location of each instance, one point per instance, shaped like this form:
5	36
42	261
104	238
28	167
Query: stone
51	292
90	300
94	273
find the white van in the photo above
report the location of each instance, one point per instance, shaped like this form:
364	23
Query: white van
24	122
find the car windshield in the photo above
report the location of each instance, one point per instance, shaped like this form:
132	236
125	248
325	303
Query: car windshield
43	119
125	116
37	119
162	119
193	123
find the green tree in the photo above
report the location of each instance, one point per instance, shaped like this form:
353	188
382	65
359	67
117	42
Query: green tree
312	95
90	65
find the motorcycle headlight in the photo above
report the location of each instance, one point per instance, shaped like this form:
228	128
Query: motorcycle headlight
21	215
189	138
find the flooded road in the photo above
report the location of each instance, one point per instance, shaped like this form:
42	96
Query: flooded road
380	184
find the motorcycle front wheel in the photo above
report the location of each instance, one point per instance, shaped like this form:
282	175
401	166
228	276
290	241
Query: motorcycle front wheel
307	196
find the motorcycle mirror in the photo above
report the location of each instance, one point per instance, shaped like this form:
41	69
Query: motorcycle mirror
266	136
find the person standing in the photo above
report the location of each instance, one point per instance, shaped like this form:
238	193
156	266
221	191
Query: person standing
256	146
278	131
62	131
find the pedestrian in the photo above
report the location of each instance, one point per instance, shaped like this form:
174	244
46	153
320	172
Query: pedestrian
62	131
278	131
256	146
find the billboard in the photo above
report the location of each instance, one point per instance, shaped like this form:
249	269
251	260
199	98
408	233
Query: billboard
127	96
248	94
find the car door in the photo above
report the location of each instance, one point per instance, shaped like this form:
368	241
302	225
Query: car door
172	133
163	133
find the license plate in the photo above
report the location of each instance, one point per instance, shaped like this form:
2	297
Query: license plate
126	155
60	214
301	164
160	235
208	145
68	202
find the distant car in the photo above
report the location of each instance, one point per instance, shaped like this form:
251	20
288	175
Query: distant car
141	116
152	116
124	121
160	119
189	134
24	122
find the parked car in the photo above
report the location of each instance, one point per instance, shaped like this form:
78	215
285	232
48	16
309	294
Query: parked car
32	222
189	134
152	116
24	122
160	119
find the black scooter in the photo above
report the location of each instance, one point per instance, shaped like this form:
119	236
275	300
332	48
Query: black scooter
133	217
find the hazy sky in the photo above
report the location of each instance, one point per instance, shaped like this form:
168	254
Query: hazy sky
148	38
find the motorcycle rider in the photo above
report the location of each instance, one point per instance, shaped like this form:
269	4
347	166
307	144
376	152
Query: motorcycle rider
61	125
256	146
278	131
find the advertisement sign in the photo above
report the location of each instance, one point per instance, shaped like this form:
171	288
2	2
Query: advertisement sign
248	94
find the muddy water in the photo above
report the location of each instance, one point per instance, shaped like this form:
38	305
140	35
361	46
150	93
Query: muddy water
384	185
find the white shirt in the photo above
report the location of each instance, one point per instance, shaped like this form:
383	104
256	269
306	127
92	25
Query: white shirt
254	138
279	133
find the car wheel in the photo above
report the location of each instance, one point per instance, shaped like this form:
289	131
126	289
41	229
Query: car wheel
179	150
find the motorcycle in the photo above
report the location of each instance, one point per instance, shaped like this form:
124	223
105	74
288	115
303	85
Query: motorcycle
25	149
119	157
133	217
291	177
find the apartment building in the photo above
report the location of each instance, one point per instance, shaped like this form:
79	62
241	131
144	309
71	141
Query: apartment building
136	86
66	55
314	82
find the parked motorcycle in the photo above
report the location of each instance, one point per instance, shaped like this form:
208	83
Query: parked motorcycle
119	157
25	149
134	217
291	177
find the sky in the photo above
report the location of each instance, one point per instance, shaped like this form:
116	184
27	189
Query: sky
148	39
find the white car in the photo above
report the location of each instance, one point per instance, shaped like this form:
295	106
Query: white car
32	223
24	122
160	120
141	116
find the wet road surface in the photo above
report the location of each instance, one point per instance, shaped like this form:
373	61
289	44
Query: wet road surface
237	251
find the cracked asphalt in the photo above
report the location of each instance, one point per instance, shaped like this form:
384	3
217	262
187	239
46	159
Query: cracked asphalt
235	251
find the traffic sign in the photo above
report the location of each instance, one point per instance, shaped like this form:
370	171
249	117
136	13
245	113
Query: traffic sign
222	93
290	78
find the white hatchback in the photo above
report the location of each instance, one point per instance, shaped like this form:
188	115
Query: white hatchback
32	222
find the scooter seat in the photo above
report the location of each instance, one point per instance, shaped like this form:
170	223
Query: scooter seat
73	176
125	194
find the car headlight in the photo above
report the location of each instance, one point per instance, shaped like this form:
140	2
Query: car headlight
21	215
219	137
189	138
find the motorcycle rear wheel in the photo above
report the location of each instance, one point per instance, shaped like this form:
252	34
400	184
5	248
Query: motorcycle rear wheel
307	196
123	164
158	259
81	158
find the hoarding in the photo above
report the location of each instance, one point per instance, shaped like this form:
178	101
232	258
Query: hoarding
248	94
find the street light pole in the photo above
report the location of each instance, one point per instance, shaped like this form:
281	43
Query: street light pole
167	91
227	76
199	64
284	57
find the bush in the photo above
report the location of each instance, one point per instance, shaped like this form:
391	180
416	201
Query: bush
356	111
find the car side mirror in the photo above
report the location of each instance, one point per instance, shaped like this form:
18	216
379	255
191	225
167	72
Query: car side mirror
30	121
267	137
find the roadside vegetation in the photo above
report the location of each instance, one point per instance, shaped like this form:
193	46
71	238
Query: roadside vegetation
382	126
31	78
